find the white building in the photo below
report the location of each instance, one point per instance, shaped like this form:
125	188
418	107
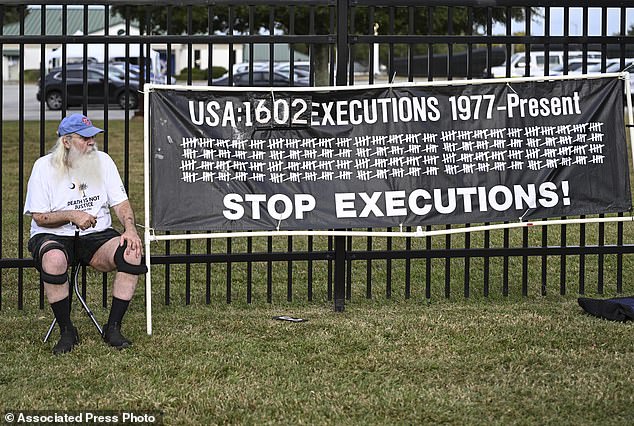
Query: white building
96	26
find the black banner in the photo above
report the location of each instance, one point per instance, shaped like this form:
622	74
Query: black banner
387	156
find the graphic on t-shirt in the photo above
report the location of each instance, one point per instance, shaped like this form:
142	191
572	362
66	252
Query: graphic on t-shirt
86	203
88	192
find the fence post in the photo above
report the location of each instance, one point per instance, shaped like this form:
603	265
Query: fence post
342	65
340	274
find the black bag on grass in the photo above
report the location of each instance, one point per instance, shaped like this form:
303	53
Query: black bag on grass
616	309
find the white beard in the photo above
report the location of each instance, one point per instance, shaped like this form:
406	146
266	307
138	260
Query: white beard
84	167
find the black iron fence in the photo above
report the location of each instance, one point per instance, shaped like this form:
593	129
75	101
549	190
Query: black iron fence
53	60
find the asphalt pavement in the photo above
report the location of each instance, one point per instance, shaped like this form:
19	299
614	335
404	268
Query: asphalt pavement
31	111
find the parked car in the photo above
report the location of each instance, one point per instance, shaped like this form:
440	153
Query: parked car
244	66
574	66
537	61
51	89
260	78
614	65
300	73
298	66
134	71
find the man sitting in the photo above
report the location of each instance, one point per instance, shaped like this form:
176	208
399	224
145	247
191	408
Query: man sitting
72	189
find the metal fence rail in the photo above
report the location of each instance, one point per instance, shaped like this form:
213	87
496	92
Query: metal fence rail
345	42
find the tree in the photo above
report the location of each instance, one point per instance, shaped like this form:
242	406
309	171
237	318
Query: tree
428	20
11	14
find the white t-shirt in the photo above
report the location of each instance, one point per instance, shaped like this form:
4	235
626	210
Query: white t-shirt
48	192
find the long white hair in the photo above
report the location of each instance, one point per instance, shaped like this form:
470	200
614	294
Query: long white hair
59	155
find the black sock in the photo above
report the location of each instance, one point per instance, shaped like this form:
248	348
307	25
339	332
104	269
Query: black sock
117	311
61	309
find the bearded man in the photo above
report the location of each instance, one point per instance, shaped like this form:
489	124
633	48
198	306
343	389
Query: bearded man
72	189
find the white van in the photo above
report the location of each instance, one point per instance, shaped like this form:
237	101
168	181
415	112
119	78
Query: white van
537	61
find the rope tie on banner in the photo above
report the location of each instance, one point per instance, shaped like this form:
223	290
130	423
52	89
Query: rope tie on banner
521	218
509	86
152	231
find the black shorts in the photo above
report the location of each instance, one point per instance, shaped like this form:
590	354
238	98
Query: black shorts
87	245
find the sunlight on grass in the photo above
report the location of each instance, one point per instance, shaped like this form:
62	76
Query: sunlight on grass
496	361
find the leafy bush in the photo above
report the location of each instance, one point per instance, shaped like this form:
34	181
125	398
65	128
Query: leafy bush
218	72
198	74
31	76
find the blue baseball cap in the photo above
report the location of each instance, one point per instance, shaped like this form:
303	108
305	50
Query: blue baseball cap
77	123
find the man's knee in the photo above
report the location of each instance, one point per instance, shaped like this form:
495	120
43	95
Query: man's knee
52	263
128	263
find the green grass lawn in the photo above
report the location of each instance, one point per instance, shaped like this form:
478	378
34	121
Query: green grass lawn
496	360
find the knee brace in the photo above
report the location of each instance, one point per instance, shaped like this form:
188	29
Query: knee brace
123	266
45	276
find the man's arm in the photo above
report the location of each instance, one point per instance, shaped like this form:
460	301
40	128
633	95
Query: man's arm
125	214
81	219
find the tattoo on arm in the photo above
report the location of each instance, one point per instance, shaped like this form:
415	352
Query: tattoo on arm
128	220
126	216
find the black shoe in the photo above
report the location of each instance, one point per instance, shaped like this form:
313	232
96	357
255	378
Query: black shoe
68	339
112	336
